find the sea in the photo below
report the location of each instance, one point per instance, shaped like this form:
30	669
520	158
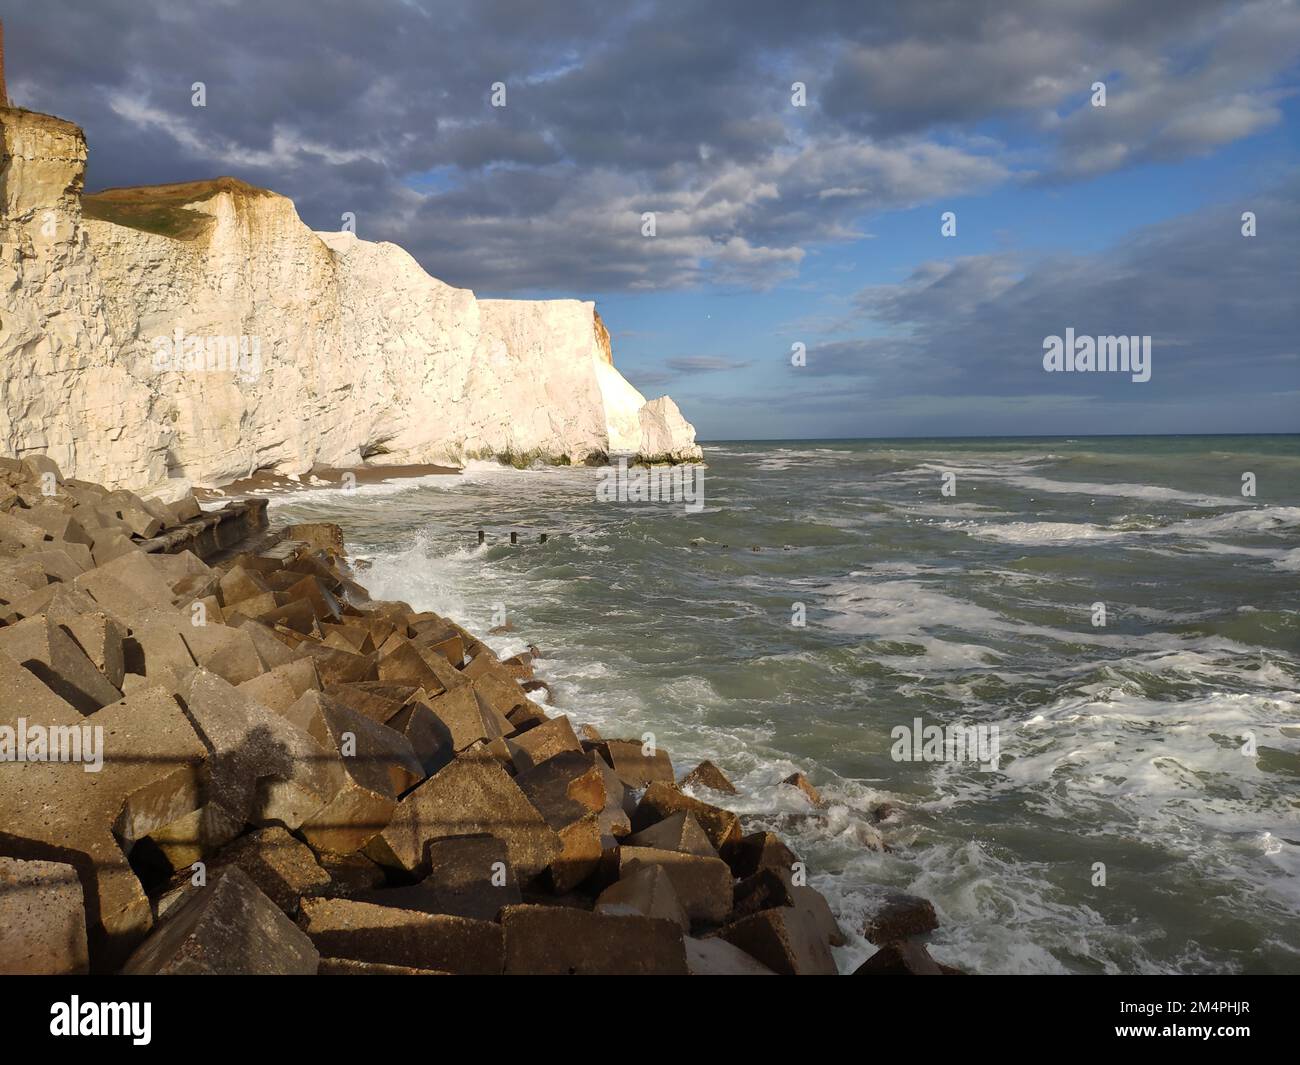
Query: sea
1118	618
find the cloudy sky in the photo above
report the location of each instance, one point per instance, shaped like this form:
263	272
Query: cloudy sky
775	224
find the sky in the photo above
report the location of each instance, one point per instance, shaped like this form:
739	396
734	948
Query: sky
798	160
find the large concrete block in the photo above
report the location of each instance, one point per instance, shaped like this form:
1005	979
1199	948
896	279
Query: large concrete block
465	798
467	718
703	885
647	891
760	850
53	656
637	767
229	928
560	940
676	832
565	788
42	919
551	737
714	956
100	639
894	915
784	939
661	800
708	775
261	767
469	876
150	777
362	931
229	653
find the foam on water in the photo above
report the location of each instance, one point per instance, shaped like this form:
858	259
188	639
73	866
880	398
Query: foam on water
1122	742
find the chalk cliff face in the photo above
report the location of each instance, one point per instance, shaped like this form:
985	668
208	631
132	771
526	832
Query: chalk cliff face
200	333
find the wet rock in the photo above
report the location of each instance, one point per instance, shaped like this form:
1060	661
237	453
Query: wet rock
798	780
893	915
708	775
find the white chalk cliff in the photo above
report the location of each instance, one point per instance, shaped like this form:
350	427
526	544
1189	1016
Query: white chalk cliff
351	351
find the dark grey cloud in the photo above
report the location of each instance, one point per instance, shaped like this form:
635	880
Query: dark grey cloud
682	109
1220	308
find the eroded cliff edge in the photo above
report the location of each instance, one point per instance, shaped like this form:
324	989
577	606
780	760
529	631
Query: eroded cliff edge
199	333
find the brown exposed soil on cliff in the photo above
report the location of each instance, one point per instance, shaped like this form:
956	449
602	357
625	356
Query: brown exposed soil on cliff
163	209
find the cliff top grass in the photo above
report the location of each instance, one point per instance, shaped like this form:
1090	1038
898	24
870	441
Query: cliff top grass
162	209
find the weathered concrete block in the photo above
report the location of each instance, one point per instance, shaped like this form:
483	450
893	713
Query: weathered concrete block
900	958
760	850
229	653
893	915
59	523
784	939
404	665
660	800
636	767
565	788
340	667
558	940
348	967
284	868
377	700
553	736
467	718
362	931
647	891
100	639
318	536
53	656
155	648
469	876
798	780
708	775
238	584
272	652
581	850
676	832
42	915
229	928
19	532
714	956
429	738
464	798
261	767
813	903
703	885
139	572
149	778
